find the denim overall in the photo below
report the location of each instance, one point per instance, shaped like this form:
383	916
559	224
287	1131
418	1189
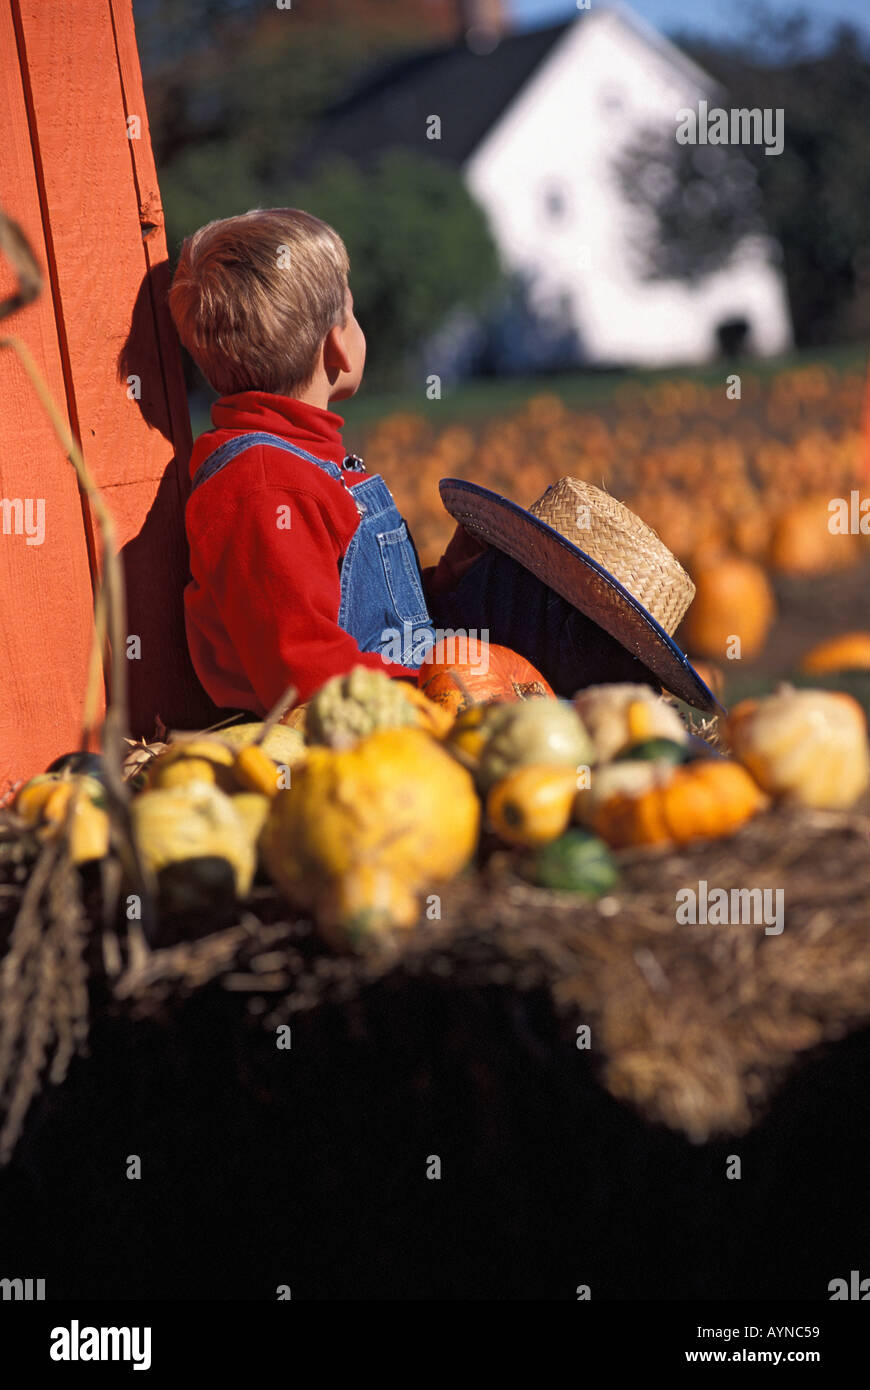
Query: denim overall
382	604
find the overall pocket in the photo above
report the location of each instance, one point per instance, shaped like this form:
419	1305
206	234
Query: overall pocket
402	575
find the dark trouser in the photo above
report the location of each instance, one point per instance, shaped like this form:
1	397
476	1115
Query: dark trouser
522	613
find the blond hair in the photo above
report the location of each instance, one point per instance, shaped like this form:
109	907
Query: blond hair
254	296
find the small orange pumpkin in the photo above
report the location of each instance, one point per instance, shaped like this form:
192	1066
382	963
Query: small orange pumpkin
498	674
659	804
848	652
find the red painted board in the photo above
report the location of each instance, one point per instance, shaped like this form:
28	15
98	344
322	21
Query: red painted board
102	204
45	589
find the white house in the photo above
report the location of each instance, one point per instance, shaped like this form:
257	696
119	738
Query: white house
535	122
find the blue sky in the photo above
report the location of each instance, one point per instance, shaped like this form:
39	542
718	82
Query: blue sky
716	18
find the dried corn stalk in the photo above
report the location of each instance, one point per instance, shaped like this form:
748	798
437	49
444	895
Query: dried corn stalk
43	990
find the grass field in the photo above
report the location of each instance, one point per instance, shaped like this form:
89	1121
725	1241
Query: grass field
584	390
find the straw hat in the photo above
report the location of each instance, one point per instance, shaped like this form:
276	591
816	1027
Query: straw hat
602	559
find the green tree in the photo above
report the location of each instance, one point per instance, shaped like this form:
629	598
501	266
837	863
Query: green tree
814	198
418	246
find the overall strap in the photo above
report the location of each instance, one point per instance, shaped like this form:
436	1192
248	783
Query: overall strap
219	459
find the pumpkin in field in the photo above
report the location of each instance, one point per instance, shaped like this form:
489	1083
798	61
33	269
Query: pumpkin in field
623	714
497	673
848	652
803	543
363	830
638	803
806	746
733	598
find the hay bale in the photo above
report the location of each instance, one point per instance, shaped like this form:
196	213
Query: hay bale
308	1166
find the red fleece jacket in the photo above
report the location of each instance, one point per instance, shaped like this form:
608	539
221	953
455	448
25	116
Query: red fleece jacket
261	609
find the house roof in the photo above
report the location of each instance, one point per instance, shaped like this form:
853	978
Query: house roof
468	90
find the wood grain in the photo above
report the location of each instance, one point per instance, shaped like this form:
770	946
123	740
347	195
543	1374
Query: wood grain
45	590
89	196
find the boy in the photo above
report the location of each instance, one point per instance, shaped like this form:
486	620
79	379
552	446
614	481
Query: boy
301	565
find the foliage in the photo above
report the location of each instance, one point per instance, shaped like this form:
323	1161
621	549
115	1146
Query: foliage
814	198
417	242
231	117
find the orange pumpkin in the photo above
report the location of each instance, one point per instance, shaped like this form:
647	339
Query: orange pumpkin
658	804
733	598
498	674
803	543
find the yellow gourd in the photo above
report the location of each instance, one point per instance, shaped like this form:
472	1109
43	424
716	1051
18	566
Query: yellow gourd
284	745
31	798
256	771
88	830
364	903
252	808
175	824
533	805
72	805
188	761
805	746
394	803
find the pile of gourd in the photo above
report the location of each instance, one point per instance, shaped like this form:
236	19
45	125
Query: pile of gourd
375	793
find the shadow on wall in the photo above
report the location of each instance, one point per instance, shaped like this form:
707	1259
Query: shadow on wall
162	682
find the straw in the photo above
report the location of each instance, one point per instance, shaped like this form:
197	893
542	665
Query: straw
622	543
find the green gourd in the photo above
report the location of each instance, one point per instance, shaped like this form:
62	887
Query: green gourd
575	863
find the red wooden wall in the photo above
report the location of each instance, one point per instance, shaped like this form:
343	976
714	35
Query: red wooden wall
86	196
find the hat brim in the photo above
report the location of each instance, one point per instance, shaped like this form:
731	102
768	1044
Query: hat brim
578	579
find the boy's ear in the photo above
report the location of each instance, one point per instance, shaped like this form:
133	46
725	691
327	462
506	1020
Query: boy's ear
335	356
